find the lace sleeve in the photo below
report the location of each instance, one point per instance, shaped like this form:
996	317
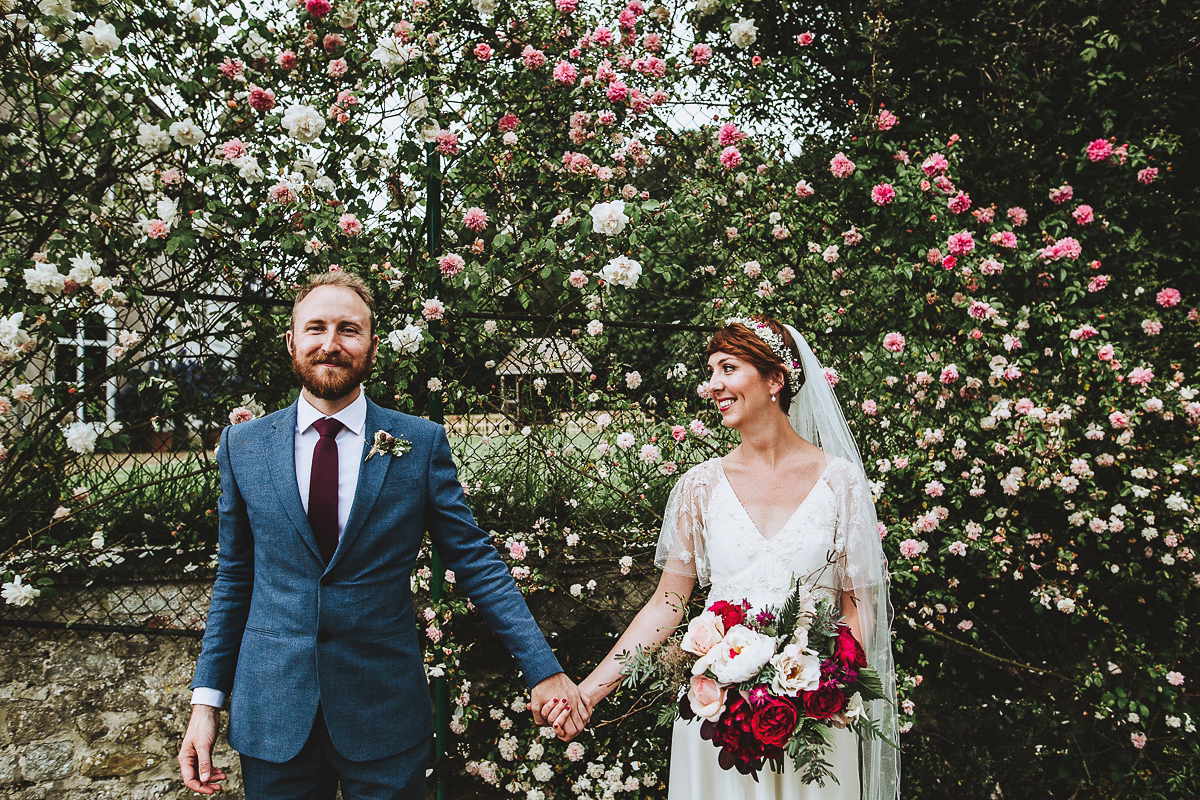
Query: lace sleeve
681	545
864	572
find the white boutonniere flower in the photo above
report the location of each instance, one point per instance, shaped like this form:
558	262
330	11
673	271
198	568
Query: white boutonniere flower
386	444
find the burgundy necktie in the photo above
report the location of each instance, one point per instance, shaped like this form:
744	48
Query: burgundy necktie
323	488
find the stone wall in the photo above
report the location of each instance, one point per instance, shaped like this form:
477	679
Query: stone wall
98	715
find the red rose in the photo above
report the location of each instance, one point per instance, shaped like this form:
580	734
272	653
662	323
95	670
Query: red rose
774	722
847	651
823	703
729	613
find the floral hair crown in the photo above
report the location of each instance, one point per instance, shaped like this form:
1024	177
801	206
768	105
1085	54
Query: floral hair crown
773	340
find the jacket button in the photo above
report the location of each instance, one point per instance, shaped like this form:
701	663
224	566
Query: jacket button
323	636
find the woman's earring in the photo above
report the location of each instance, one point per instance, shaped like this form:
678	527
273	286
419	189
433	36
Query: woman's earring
774	399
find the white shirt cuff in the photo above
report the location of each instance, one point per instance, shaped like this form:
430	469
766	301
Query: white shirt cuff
208	697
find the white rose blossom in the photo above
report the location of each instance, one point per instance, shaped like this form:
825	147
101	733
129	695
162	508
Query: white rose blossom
100	39
390	51
739	656
743	33
18	593
81	437
44	278
406	340
303	123
609	218
621	271
186	132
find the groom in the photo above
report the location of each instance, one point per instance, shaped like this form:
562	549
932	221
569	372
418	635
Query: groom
311	631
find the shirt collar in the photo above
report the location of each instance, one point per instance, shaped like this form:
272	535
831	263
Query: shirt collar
353	416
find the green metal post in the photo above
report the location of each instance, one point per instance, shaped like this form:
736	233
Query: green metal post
433	220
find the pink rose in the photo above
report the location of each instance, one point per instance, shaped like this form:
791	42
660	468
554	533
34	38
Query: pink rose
566	6
1168	298
565	73
532	57
476	218
1099	150
433	308
704	631
886	120
1147	176
701	54
936	164
318	8
841	166
1118	419
706	697
349	225
805	39
894	342
910	548
949	373
1018	216
1061	194
730	157
883	194
960	243
678	433
1083	214
239	415
262	100
287	59
960	203
483	52
1140	376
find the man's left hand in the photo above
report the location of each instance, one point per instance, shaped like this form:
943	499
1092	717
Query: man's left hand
556	692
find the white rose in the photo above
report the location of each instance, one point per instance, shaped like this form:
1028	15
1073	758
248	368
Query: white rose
57	8
739	656
100	39
44	278
16	593
11	335
303	123
705	7
418	107
152	138
485	8
855	708
249	169
256	46
796	670
406	340
186	132
609	218
81	437
167	210
743	33
390	51
621	271
83	269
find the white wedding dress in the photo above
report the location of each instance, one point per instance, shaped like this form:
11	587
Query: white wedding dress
709	534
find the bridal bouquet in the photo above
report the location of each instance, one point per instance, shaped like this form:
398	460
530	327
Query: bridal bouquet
767	683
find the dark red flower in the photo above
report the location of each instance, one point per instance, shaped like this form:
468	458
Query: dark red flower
774	722
729	613
827	700
847	651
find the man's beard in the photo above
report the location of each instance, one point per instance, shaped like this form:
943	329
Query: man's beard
333	386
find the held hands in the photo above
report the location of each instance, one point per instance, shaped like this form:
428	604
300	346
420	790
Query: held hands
557	702
195	755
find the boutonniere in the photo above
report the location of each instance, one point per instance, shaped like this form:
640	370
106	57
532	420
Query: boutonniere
386	444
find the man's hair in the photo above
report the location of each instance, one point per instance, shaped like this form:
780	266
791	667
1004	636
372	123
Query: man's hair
345	280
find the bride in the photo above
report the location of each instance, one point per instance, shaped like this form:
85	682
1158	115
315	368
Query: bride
791	499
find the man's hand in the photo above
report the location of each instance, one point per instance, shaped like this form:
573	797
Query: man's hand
195	755
556	701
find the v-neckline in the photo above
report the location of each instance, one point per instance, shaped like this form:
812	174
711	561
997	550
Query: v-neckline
795	511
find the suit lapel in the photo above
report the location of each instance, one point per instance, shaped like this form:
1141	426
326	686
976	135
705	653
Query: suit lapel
281	456
370	481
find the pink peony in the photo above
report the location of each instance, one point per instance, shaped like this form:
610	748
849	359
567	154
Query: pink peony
960	203
1168	298
565	72
731	157
476	218
1099	150
894	342
1083	214
883	194
349	225
840	166
482	51
1147	176
1018	216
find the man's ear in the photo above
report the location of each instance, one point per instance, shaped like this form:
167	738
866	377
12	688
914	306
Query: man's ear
287	340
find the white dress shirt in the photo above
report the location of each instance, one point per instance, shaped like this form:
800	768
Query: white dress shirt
350	455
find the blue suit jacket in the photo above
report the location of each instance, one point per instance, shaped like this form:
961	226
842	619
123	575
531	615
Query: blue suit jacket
286	632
